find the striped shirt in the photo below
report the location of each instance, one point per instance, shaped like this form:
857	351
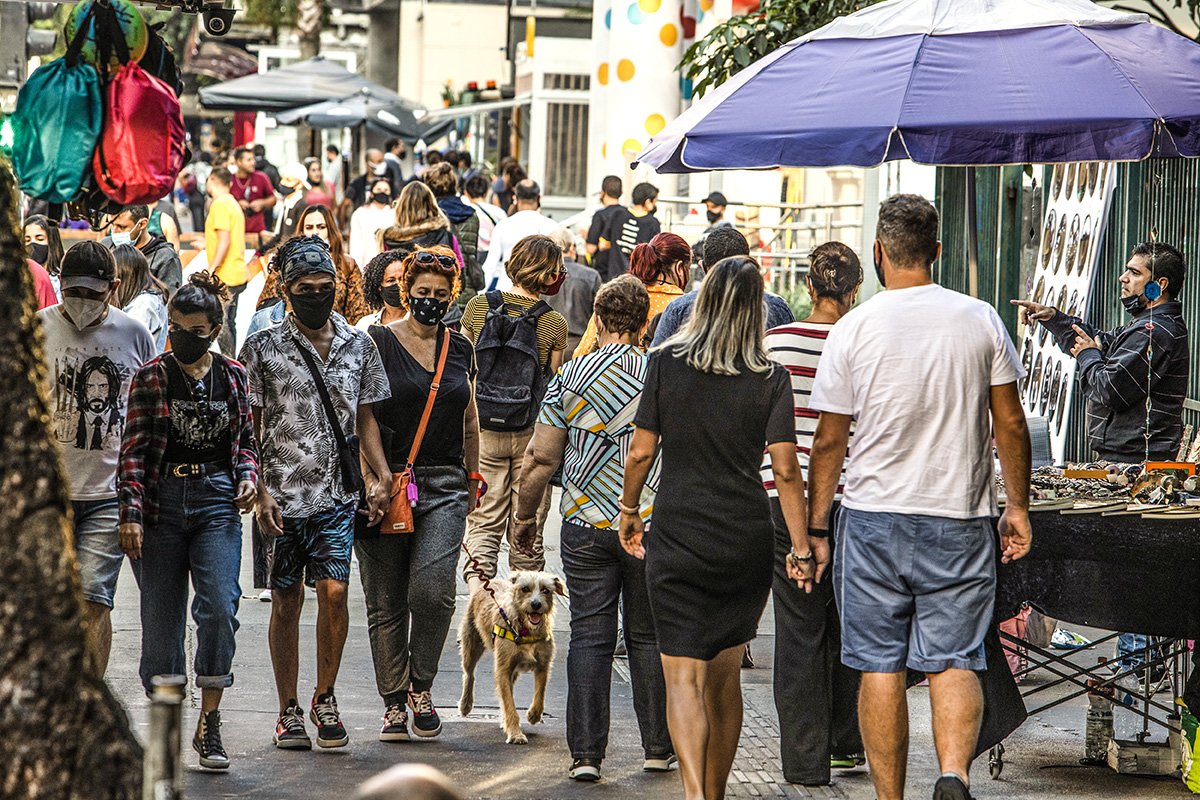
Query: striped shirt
551	329
797	346
594	398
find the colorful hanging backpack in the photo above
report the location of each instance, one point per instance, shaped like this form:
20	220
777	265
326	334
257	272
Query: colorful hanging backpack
141	150
56	125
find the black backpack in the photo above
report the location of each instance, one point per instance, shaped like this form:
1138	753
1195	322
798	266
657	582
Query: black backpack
512	380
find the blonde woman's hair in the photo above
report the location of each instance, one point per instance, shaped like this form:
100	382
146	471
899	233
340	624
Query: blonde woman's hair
417	206
725	331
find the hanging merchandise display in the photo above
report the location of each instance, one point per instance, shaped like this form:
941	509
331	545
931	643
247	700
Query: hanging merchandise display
89	19
1076	211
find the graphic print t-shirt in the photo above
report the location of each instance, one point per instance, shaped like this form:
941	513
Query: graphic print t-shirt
199	415
89	375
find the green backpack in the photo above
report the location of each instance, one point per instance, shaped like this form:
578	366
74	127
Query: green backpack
56	125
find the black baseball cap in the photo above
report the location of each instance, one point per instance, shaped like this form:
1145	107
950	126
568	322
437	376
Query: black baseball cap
716	198
90	265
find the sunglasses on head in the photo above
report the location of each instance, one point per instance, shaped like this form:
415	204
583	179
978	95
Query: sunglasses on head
426	257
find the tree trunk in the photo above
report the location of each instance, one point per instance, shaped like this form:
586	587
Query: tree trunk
310	14
65	735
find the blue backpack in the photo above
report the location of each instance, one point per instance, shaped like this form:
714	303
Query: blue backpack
56	126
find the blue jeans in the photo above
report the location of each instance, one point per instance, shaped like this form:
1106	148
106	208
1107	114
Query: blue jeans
599	574
1131	649
198	532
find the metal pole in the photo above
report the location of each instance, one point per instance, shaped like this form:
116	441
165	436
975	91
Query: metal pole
972	234
162	774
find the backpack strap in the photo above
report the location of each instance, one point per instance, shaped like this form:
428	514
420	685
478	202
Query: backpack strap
75	47
536	311
495	299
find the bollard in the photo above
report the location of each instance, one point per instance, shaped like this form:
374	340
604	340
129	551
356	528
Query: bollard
161	776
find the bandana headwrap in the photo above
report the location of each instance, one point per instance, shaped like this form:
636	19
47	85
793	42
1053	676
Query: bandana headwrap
302	256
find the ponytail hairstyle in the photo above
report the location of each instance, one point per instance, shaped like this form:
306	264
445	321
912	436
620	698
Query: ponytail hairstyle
834	271
664	259
204	293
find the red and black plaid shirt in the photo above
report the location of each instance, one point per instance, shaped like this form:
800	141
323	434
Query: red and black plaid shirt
145	440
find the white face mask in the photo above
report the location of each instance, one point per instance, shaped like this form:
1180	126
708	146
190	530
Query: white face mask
124	237
84	311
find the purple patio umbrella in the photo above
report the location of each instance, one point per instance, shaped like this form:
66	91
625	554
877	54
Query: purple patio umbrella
951	82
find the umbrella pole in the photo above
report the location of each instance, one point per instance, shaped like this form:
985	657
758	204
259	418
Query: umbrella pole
972	233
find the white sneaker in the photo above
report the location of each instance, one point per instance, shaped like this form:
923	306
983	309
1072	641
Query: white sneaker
265	595
660	763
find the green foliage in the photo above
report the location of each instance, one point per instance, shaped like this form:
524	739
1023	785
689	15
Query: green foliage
272	13
737	43
798	300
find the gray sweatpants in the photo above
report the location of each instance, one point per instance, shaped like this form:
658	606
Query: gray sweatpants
412	577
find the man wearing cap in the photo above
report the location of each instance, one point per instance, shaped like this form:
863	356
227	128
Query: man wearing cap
92	351
714	211
293	185
312	364
527	221
132	226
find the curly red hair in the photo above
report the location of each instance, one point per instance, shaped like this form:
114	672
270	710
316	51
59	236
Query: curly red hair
411	267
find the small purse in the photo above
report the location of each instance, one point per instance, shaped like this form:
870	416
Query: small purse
404	495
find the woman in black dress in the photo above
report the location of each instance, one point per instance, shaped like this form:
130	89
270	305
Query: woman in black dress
712	399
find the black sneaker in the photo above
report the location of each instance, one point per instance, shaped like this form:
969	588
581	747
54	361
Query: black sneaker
324	714
950	787
289	731
425	721
395	724
585	769
207	741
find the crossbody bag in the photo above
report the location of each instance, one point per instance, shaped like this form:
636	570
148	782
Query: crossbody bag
348	446
404	495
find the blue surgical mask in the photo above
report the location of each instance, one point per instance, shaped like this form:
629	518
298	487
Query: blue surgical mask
119	239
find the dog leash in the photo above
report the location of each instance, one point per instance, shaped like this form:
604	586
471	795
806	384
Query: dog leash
477	568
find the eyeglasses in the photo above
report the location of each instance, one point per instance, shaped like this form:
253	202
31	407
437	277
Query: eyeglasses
426	257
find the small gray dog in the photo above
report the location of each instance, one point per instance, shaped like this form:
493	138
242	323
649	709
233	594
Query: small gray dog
526	646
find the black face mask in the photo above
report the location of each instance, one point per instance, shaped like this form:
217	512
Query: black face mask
188	347
1134	303
39	253
286	191
428	310
713	216
312	310
383	198
878	266
391	295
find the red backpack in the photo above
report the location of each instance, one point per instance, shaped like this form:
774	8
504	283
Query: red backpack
141	150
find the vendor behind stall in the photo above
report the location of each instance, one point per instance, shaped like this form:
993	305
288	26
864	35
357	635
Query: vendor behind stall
1118	369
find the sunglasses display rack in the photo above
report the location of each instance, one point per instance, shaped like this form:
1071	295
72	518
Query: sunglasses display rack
1076	212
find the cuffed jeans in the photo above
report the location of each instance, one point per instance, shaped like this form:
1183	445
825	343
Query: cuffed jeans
599	574
501	456
412	575
199	532
816	695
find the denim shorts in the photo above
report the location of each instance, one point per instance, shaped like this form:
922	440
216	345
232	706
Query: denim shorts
98	548
914	591
313	548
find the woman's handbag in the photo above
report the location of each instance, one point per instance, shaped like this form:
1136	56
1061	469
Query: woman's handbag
399	516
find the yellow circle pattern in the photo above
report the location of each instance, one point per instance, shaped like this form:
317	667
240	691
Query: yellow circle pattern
625	69
631	147
668	35
649	6
655	123
602	74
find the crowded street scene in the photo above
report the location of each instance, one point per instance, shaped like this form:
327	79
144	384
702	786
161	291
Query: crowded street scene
701	399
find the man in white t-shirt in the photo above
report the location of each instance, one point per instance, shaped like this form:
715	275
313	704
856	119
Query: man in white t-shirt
926	374
92	352
527	221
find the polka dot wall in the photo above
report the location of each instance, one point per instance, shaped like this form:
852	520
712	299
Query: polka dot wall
637	73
